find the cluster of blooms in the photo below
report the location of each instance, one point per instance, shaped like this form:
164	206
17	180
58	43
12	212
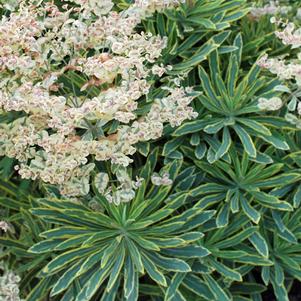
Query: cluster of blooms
4	226
9	282
282	69
286	70
159	180
51	60
98	8
10	5
271	8
289	35
124	192
148	7
272	104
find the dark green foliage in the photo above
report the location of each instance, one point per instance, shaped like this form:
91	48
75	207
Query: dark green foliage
228	110
121	243
195	30
227	229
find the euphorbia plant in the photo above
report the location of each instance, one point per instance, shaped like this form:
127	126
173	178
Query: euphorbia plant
118	245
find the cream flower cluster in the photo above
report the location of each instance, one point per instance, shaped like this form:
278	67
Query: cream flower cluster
286	70
72	80
271	104
94	7
289	35
4	226
125	192
147	7
9	285
159	180
10	5
271	8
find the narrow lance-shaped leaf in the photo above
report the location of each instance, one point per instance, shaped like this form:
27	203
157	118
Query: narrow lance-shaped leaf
226	143
152	271
260	244
246	141
253	214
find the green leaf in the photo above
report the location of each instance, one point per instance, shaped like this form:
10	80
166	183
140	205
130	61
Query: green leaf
90	261
66	279
280	292
45	246
249	210
173	286
144	243
279	274
232	75
65	232
13	204
215	288
225	271
94	282
207	188
115	272
254	260
202	53
276	142
214	127
135	255
133	296
207	86
112	293
72	242
260	244
172	145
197	286
129	277
190	127
234	202
281	180
169	264
265	275
62	260
245	140
226	49
289	262
153	218
226	143
202	21
188	252
236	239
195	139
222	218
270	201
110	251
256	126
247	288
41	289
297	197
199	219
152	270
73	216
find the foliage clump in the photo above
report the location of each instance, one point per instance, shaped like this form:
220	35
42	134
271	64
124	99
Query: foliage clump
150	150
